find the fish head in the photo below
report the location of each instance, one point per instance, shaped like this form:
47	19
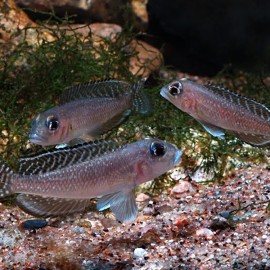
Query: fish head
158	158
48	128
180	93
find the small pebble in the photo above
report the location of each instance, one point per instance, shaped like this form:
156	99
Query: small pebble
208	234
180	188
142	197
181	221
33	224
109	223
164	209
225	214
147	211
139	253
219	223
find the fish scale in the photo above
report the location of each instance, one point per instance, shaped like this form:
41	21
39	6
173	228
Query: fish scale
218	110
102	168
86	111
52	160
241	101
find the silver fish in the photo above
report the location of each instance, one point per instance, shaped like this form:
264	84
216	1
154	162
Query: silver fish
219	110
88	110
62	181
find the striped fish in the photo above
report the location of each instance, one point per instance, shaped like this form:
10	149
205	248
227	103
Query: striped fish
88	110
62	181
220	110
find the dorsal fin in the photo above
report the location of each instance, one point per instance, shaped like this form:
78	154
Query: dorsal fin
249	104
59	158
93	89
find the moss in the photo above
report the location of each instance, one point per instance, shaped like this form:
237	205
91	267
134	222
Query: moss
33	77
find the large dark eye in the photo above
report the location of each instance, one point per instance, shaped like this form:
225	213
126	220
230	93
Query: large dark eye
175	88
52	123
157	149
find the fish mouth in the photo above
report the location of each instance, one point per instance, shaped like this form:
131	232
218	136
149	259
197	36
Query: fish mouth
177	157
163	92
37	139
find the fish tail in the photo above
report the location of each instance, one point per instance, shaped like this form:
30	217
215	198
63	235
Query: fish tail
140	101
6	175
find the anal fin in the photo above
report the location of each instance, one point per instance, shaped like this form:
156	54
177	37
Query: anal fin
48	206
121	203
252	139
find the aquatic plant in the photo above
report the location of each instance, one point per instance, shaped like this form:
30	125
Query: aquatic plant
33	76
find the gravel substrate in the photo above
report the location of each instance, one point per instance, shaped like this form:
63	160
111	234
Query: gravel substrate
192	226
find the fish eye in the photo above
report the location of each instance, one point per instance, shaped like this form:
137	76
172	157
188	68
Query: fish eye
52	123
157	149
175	88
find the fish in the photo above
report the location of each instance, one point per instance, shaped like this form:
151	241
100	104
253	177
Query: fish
88	110
62	181
220	110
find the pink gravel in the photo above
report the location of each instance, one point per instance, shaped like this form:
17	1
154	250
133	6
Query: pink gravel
187	232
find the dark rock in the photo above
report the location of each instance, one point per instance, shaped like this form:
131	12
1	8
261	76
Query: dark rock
202	36
33	224
226	214
219	223
82	11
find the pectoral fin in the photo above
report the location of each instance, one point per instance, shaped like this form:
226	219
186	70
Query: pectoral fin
122	204
213	130
111	123
253	139
47	206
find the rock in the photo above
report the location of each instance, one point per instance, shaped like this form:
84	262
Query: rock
181	189
148	211
204	232
139	253
147	60
201	37
108	223
82	11
13	20
140	12
219	223
84	223
105	30
226	214
142	197
149	237
33	224
97	31
164	209
181	221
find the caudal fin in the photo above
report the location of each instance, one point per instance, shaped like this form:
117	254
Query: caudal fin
140	101
5	180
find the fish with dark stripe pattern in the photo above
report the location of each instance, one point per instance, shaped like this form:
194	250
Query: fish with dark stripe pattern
220	110
64	180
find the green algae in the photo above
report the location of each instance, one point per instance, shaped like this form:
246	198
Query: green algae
33	77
